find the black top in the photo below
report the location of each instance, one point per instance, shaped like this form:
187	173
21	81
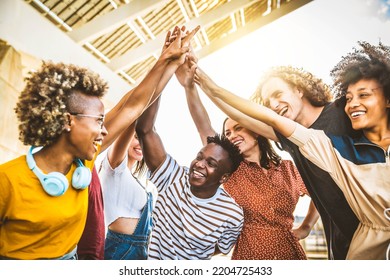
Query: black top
337	217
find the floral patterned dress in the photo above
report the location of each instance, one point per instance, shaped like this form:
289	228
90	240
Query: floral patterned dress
268	198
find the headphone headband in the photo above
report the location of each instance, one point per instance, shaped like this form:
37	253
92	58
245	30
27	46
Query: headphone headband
56	183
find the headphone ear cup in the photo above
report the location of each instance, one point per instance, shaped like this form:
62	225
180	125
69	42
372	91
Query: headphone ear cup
54	183
82	177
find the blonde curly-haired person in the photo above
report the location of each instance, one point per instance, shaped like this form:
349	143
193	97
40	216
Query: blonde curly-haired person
359	165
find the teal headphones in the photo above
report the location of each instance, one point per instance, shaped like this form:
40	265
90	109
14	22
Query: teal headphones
55	183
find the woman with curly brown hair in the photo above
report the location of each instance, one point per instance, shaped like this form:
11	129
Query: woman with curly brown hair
359	165
60	110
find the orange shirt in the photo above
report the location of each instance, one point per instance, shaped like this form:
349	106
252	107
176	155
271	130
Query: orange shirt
268	198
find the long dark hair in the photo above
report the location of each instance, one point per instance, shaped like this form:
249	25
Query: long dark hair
140	169
268	153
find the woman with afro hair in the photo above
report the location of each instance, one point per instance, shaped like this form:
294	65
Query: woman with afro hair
44	197
302	97
359	165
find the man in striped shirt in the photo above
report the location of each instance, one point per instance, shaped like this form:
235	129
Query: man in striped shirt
194	218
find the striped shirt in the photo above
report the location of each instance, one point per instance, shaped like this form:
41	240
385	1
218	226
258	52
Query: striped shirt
187	227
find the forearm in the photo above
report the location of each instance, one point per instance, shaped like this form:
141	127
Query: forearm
133	104
152	146
166	76
147	88
311	218
147	120
142	93
258	112
120	147
198	113
213	91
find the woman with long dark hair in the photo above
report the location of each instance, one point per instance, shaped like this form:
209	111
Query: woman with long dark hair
264	185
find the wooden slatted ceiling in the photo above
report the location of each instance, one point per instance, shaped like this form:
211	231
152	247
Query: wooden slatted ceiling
144	28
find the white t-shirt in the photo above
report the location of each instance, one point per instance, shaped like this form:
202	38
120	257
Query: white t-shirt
123	194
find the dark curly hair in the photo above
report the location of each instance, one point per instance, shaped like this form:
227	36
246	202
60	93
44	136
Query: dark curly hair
234	153
268	153
368	62
313	88
48	95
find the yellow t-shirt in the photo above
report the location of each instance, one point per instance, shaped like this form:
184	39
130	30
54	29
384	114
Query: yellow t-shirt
33	224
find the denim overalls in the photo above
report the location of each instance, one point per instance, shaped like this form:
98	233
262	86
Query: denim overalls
121	246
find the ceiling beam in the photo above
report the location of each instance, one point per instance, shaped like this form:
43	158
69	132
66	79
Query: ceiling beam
114	19
250	27
146	50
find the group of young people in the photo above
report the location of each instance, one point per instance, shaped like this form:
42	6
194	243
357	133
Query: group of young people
237	192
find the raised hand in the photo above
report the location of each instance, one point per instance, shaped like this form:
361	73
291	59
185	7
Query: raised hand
188	36
204	81
174	50
185	73
179	37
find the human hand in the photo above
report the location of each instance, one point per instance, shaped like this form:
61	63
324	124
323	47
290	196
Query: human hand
185	73
181	37
200	77
186	35
186	40
173	50
301	232
206	83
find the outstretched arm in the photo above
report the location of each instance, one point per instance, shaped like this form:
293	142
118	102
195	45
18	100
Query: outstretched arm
221	98
174	65
152	146
185	76
131	106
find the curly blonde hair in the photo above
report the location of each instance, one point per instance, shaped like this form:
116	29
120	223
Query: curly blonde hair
313	88
47	97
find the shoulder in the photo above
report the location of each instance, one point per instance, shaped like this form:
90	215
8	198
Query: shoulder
226	200
15	165
118	169
13	173
168	168
287	163
334	120
167	165
357	150
288	168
